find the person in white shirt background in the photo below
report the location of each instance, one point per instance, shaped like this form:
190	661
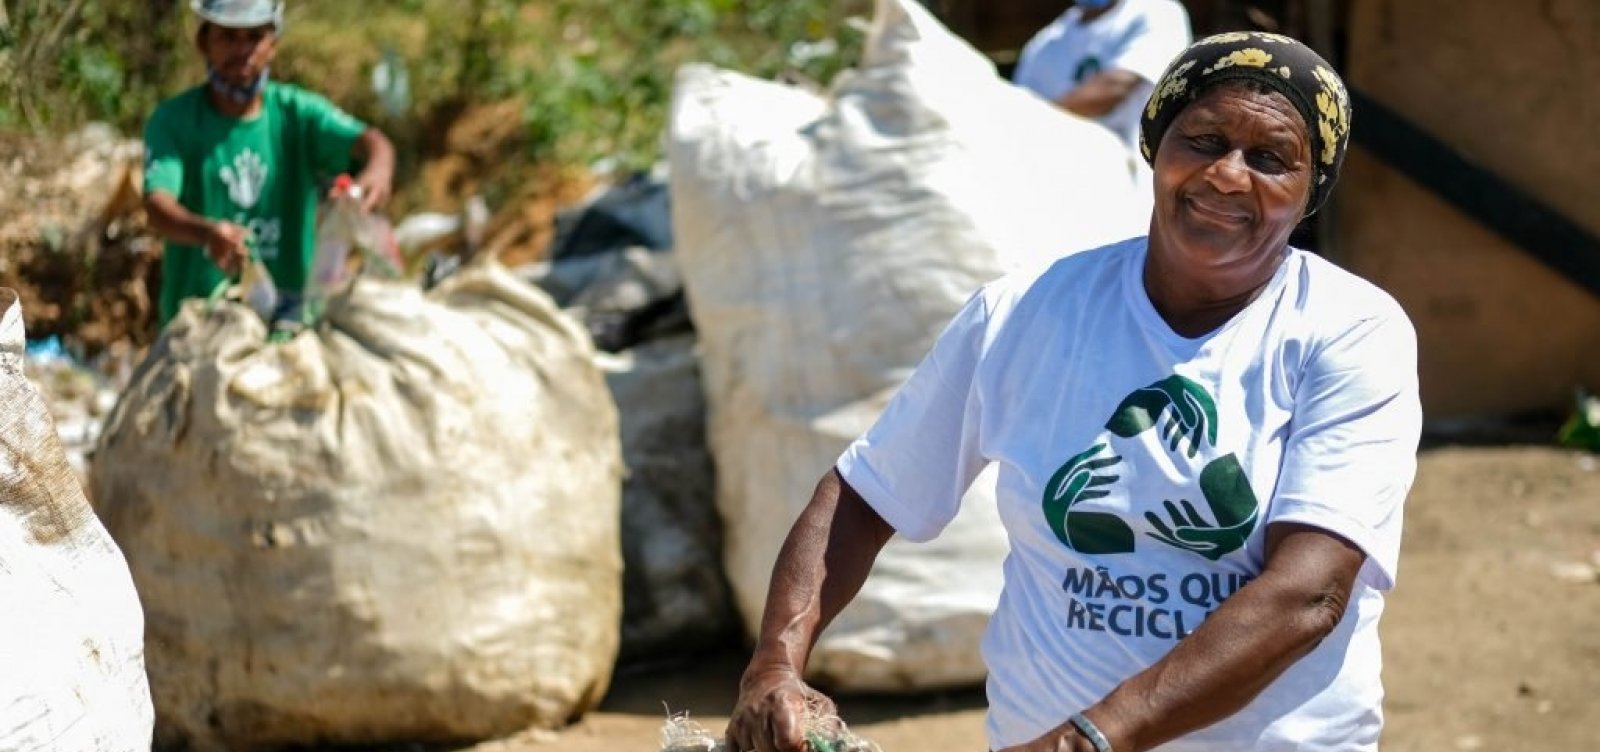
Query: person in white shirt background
1204	440
1101	58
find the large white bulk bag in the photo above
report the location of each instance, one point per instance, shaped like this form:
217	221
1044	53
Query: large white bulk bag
400	525
72	635
825	242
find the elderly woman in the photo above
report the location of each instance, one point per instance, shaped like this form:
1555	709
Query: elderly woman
1204	440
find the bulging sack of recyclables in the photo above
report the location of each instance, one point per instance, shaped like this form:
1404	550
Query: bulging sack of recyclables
72	640
825	242
401	524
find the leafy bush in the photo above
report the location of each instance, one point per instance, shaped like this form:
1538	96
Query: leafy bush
592	77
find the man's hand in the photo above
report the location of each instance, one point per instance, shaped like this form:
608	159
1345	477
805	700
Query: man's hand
771	713
377	178
225	243
376	187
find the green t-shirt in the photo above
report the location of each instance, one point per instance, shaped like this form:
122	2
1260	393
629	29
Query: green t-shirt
261	173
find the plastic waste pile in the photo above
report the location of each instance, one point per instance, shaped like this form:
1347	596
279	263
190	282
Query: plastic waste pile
674	595
611	267
426	238
78	397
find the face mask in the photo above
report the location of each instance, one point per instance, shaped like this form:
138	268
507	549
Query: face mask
239	94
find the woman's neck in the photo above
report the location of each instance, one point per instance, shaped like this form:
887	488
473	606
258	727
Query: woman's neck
1195	302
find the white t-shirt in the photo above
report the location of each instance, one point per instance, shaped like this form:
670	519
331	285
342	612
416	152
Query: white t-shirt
1141	36
1138	471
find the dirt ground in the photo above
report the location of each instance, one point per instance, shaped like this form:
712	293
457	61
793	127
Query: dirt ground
1491	641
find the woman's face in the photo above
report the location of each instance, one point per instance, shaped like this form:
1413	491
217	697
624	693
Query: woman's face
1232	178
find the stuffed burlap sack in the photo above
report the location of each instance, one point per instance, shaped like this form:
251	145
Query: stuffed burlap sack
401	525
72	638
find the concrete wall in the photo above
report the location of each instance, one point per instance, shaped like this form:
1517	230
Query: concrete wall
1514	87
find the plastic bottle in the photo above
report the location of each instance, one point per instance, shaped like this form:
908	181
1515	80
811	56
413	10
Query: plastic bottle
259	291
336	236
343	231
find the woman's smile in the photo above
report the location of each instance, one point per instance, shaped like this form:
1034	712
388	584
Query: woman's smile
1217	212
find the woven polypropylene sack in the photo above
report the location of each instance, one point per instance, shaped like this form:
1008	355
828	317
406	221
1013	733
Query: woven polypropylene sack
72	640
399	525
825	242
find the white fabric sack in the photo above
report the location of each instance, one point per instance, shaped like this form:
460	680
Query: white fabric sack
72	638
825	243
401	525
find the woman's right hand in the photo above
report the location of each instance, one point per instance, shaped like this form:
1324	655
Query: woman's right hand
771	713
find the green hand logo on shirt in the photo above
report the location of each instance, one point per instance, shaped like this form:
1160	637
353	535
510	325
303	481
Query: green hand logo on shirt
1074	483
245	178
1189	409
1233	505
1184	410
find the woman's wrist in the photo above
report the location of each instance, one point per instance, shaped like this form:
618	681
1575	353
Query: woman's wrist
1088	731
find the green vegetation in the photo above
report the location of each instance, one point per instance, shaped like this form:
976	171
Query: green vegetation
590	78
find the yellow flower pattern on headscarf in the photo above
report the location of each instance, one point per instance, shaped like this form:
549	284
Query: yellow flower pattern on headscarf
1235	37
1333	113
1267	36
1251	56
1172	85
1227	38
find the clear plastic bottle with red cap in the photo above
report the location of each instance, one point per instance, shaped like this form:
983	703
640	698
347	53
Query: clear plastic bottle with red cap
346	233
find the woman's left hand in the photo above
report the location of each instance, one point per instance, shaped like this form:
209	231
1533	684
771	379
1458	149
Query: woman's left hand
1064	738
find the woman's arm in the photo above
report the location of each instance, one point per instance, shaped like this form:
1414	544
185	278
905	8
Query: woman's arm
1236	652
821	566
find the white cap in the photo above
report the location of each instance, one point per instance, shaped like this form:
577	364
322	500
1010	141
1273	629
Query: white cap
240	14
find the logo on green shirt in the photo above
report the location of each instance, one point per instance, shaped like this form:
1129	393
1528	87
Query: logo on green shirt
245	178
262	172
1185	413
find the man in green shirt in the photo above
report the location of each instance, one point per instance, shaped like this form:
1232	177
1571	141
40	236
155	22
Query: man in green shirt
234	164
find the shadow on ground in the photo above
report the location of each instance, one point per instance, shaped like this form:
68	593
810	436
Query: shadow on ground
708	685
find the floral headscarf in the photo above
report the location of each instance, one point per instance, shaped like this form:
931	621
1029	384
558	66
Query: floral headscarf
1275	61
